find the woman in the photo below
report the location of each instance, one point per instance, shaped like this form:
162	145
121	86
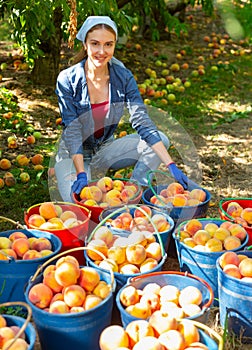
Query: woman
92	95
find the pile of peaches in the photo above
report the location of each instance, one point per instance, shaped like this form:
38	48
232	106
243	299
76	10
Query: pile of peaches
108	192
237	265
210	237
66	287
241	215
52	217
171	301
160	334
21	247
136	253
178	196
8	333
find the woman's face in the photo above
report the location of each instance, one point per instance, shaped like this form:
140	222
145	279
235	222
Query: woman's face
100	46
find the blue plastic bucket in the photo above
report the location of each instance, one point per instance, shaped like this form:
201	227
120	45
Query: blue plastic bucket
79	330
165	235
174	278
14	274
201	264
235	297
24	324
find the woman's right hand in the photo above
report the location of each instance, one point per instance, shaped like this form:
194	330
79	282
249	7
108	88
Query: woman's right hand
79	183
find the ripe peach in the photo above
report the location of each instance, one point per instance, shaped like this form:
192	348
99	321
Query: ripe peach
169	293
57	296
238	231
67	273
74	295
113	337
3	322
242	257
192	226
189	242
6	333
41	243
161	322
221	233
57	223
37	159
108	264
234	209
199	194
148	265
160	222
151	300
16	235
22	160
16	329
89	278
128	269
50	280
189	332
105	184
179	200
100	246
191	310
20	246
139	310
48	210
118	185
30	140
67	214
141	212
5	164
152	287
214	245
20	344
91	301
172	339
5	242
201	237
174	188
190	295
135	254
127	194
77	309
36	220
231	243
232	270
118	254
9	179
138	329
229	258
137	237
246	214
126	219
148	343
153	250
226	224
192	202
40	295
58	307
32	254
67	258
104	233
245	267
102	290
158	200
139	223
113	198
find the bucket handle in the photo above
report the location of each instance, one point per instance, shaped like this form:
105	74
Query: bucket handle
3	218
47	262
211	332
132	206
25	324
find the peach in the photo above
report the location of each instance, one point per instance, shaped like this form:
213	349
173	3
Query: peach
172	310
74	295
71	222
192	226
191	310
135	254
104	233
50	281
238	231
234	209
198	193
190	295
117	222
201	237
137	237
20	344
158	200
152	287
113	198
118	185
113	337
232	270
20	246
231	242
128	269
169	293
245	267
48	210
102	290
126	219
59	209
41	243
221	233
100	246
108	264
121	242
3	322
16	235
246	214
77	309
229	258
163	193
214	245
9	179
148	343
6	333
68	258
148	265
32	254
67	273
57	223
139	310
36	220
179	200
5	164
161	322
174	188
37	159
58	307
172	339
40	295
118	254
91	301
139	224
89	278
127	194
242	257
153	250
138	329
151	300
57	296
197	346
16	329
191	202
226	224
5	243
67	214
142	211
189	332
105	184
160	222
189	242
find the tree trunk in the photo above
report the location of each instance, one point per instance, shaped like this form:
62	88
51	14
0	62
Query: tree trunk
46	68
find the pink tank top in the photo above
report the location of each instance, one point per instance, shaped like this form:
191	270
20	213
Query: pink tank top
99	111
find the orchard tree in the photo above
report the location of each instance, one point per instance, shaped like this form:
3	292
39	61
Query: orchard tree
41	26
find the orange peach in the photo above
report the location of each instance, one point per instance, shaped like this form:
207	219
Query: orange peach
148	343
5	243
174	188
192	226
48	210
128	269
153	250
91	301
118	185
201	237
191	202
74	295
16	235
142	211
67	258
6	333
36	220
104	233
179	200
238	231
41	243
127	194
113	197
139	223
148	265
22	160
135	254
160	222
232	270
229	258
151	300
221	233
67	214
105	184
100	246
3	322
189	242
37	159
108	264
158	200
118	254
190	295
234	209
172	339
58	307
57	296
20	246
89	278
50	281
231	243
138	329
161	322
113	337
20	344
246	214
102	290
139	310
57	223
189	332
77	309
16	329
40	295
32	254
245	267
214	245
198	193
126	219
169	293
226	224
67	273
5	164
242	257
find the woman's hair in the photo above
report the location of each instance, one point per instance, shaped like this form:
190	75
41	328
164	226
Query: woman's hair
82	53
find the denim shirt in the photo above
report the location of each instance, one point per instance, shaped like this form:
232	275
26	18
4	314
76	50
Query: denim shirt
76	113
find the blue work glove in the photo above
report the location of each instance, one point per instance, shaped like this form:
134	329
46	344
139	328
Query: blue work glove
79	183
178	175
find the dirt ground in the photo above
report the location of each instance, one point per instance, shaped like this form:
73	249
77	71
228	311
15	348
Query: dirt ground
225	156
